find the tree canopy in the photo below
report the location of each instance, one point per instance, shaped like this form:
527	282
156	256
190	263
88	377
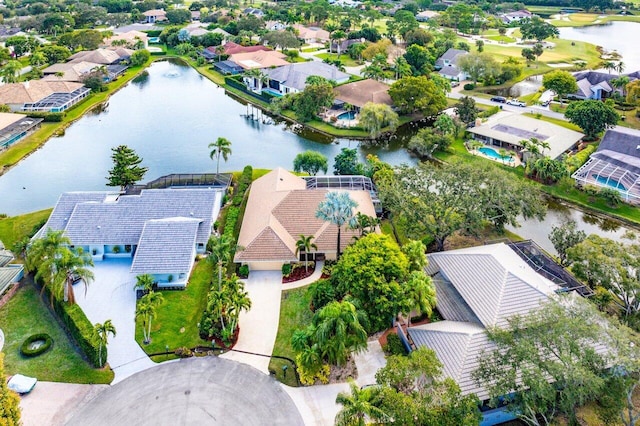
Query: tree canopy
126	167
480	66
561	82
418	94
310	162
374	117
537	29
592	116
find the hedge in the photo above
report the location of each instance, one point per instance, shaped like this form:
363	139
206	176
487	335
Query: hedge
243	184
81	330
26	351
49	117
577	160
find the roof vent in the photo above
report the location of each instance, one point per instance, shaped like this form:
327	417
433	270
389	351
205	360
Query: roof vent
99	226
191	213
637	146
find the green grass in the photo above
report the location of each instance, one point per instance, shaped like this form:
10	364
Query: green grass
295	314
177	322
15	228
30	143
584	19
344	58
555	121
26	314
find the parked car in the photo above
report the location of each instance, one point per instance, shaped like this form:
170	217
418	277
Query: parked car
455	83
516	102
500	99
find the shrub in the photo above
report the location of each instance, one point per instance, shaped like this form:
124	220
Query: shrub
243	272
322	292
170	278
489	112
27	351
575	161
591	190
308	376
394	345
243	185
469	86
611	196
286	269
81	330
183	352
328	266
116	249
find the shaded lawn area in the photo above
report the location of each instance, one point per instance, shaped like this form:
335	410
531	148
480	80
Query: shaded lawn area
344	58
176	324
26	314
15	228
295	314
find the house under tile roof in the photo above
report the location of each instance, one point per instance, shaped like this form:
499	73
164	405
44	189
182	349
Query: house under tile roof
360	92
163	227
102	56
259	59
34	90
280	208
71	71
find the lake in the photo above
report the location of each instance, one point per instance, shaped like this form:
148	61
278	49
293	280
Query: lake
168	115
618	35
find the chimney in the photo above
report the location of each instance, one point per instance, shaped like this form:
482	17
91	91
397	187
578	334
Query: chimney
478	122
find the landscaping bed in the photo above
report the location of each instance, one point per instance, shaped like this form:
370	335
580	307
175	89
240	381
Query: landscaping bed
298	273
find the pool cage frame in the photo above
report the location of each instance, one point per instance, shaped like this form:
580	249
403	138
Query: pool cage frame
347	182
595	169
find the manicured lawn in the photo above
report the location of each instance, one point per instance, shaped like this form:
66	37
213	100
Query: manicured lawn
583	19
344	58
26	314
15	228
177	322
295	314
556	121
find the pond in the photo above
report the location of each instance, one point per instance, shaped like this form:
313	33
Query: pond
618	35
168	115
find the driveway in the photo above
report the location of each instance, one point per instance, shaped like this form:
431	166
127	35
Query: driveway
208	390
111	296
259	326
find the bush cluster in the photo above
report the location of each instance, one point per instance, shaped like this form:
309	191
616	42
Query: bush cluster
49	117
394	345
575	161
27	351
81	330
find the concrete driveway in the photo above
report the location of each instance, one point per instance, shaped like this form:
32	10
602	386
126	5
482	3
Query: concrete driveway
208	390
259	326
111	296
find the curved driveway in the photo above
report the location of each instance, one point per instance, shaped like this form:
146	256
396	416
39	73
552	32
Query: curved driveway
207	390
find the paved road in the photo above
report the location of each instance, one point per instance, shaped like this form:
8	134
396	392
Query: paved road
207	391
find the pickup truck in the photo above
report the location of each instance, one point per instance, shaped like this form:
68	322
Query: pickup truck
516	102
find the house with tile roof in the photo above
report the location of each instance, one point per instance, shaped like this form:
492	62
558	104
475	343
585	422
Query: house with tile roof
292	78
70	71
42	95
312	34
616	164
161	230
281	207
477	288
154	15
129	39
259	59
360	92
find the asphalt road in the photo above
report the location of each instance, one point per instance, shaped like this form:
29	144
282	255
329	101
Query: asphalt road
208	390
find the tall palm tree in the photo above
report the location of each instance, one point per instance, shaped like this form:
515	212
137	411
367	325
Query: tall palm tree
339	331
44	248
259	77
421	294
220	148
305	245
101	332
337	208
147	308
620	83
69	267
620	66
221	250
238	300
358	406
608	65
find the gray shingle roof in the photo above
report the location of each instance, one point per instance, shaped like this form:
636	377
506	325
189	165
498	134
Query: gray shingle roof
96	218
295	75
621	147
166	246
494	281
451	55
450	70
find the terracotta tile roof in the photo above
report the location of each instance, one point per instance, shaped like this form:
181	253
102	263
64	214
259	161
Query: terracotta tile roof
280	209
259	59
360	92
34	90
231	48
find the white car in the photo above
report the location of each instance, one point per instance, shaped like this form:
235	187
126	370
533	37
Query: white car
516	102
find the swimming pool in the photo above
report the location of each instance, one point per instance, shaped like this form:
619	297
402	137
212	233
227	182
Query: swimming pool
493	154
154	40
349	115
612	183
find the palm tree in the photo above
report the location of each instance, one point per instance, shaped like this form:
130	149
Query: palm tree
10	71
358	406
144	282
474	145
259	78
608	65
503	154
305	245
339	331
421	294
337	37
101	332
337	208
221	250
147	308
620	67
620	83
220	148
69	267
238	300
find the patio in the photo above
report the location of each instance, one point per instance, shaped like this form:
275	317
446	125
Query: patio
112	296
